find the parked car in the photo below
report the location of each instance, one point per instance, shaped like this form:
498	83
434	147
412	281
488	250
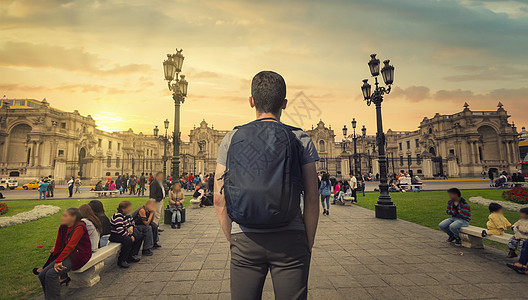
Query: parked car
8	184
31	185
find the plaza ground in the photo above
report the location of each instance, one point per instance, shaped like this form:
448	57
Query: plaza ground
355	256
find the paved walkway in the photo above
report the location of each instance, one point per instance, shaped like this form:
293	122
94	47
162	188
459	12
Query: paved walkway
355	257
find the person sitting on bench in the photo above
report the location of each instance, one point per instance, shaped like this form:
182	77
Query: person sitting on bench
125	233
176	205
143	217
460	214
497	223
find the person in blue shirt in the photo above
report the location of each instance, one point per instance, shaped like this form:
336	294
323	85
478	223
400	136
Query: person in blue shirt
325	189
43	189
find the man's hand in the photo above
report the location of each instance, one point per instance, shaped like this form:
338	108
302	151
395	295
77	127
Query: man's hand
58	267
220	205
130	230
133	238
311	202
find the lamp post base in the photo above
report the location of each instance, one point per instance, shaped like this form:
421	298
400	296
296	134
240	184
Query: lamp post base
384	211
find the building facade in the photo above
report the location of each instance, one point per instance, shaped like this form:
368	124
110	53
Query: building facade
37	140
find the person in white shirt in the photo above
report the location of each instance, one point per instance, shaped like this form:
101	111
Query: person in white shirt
353	186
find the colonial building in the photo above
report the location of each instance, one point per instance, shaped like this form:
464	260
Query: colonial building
458	145
37	140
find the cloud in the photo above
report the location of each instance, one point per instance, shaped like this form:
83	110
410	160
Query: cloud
412	93
26	54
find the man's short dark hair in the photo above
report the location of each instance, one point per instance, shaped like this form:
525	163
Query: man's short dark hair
454	191
268	90
494	207
524	210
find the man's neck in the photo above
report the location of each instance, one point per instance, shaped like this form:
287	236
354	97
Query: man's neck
267	115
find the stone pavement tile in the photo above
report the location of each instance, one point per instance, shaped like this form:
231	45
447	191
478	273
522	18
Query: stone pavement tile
369	280
378	252
505	290
354	293
444	292
166	267
203	296
317	294
177	288
382	269
325	261
210	274
188	275
396	280
473	292
112	291
414	292
319	282
358	269
405	268
332	270
343	281
224	296
421	279
226	286
445	277
215	264
227	273
159	276
206	287
148	288
126	277
382	292
217	256
194	265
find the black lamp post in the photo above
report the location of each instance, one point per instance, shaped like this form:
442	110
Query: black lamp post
385	208
363	136
345	131
354	138
172	68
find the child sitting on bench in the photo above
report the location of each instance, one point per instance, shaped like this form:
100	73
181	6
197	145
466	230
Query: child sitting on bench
497	223
520	228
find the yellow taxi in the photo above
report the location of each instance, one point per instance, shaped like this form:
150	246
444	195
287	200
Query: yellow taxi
31	186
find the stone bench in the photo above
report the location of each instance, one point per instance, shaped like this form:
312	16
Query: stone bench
195	203
410	187
471	237
88	275
103	193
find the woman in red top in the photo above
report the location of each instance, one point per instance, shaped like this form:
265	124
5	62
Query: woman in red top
72	250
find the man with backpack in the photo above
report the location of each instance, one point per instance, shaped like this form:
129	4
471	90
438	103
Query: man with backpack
263	167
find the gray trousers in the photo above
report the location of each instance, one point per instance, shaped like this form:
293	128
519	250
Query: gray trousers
50	279
285	254
150	234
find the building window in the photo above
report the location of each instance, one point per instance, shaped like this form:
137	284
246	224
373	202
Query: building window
430	130
408	145
100	143
418	159
118	161
401	160
110	145
118	146
109	161
452	151
419	171
400	145
63	125
322	146
61	152
417	143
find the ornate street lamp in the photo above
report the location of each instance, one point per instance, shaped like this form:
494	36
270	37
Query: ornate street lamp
345	131
156	130
172	67
385	208
165	140
354	138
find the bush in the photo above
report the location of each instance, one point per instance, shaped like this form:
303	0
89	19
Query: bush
517	195
3	208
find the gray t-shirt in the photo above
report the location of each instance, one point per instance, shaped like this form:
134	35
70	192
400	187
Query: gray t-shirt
309	154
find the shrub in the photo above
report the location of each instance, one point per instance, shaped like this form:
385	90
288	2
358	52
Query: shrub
3	208
517	195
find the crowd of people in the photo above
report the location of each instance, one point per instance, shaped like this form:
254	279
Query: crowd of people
86	229
339	188
497	179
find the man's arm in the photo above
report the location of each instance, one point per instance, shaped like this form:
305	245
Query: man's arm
311	202
220	204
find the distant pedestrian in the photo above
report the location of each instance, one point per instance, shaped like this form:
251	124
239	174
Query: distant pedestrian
491	177
51	186
70	186
78	185
43	189
325	189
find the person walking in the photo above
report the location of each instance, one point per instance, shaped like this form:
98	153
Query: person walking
43	189
353	187
257	197
325	189
157	192
142	183
77	184
491	176
51	186
70	186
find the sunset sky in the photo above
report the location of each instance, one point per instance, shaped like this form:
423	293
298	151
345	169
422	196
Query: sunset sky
104	58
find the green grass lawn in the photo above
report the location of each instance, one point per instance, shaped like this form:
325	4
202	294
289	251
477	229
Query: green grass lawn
19	245
428	208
